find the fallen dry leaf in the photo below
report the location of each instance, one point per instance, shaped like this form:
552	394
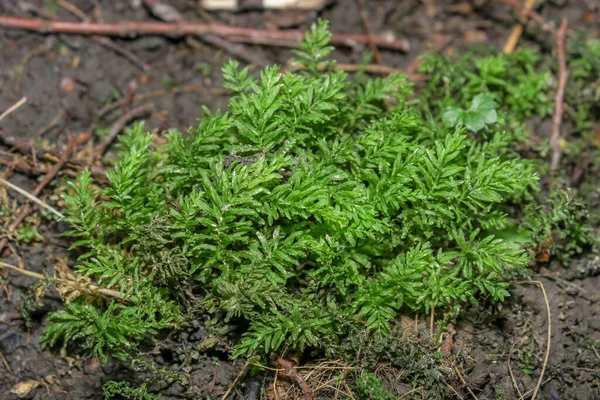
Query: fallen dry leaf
22	389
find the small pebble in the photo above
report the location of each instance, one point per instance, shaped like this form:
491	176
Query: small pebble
562	316
10	342
252	390
109	367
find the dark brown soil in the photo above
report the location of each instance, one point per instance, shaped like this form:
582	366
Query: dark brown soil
68	79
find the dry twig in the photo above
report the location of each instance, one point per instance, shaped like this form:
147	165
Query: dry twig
235	381
31	197
510	371
549	335
13	108
515	35
362	10
119	125
289	38
410	392
6	365
291	371
160	92
25	148
531	14
92	288
45	180
106	42
167	13
464	382
236	5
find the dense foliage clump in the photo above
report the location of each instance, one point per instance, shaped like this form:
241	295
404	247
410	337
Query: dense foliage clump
316	202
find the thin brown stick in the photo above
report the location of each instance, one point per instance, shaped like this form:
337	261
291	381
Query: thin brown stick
214	380
45	180
410	392
464	382
563	76
364	16
6	363
167	13
549	336
269	5
161	92
38	51
119	125
531	14
22	271
181	29
31	197
13	108
291	371
93	288
25	148
235	49
455	392
596	352
235	381
106	42
510	371
431	319
515	35
531	390
129	97
60	116
72	9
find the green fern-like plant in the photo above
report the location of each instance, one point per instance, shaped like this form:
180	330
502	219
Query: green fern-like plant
314	202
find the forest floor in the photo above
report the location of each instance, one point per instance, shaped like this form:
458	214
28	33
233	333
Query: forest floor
83	87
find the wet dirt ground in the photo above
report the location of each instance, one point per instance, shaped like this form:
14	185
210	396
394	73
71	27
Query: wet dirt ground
70	81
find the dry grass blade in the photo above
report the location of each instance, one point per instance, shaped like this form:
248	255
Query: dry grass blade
510	371
92	288
410	392
22	271
13	108
464	382
549	335
6	365
235	381
32	198
38	189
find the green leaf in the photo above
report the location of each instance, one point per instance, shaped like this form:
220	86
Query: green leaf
482	113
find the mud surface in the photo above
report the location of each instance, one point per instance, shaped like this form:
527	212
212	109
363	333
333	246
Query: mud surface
70	80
